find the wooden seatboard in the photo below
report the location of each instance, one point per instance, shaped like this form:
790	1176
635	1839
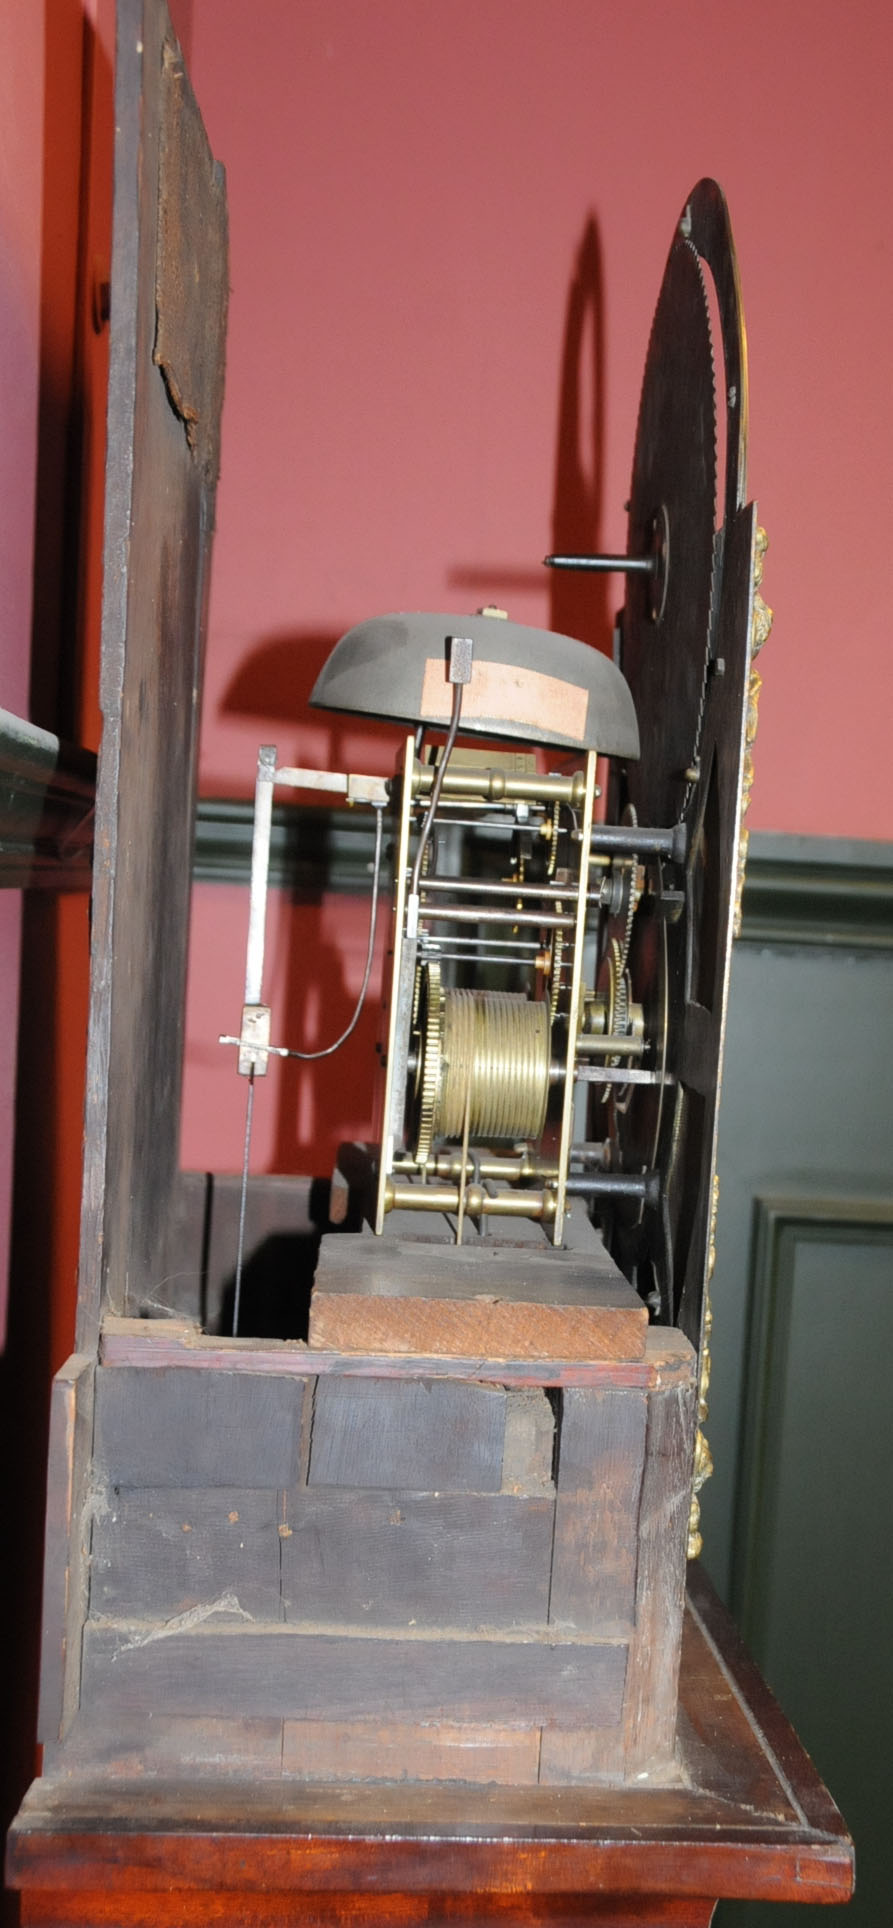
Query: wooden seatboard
408	1297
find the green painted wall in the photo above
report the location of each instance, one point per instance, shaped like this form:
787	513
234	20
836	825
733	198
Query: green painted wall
798	1520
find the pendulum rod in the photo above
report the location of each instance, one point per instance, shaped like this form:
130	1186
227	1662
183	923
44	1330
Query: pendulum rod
243	1200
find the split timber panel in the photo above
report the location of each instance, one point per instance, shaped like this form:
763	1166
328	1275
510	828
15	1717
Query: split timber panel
344	1577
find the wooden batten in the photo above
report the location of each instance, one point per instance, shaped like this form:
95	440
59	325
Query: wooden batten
409	1297
66	1555
259	1672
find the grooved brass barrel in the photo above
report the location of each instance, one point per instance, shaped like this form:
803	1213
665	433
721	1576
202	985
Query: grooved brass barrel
495	1057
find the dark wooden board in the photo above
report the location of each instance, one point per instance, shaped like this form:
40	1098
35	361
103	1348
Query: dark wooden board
168	311
257	1672
600	1463
177	1428
668	1359
155	1746
165	1551
401	1559
65	1546
394	1268
458	1328
749	1818
651	1688
409	1296
433	1435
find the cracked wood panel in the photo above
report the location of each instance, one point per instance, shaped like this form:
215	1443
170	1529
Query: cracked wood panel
349	1552
168	299
265	1671
184	1559
66	1547
397	1559
748	1817
600	1466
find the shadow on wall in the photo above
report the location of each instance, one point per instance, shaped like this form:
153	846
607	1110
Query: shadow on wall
273	686
274	1300
579	605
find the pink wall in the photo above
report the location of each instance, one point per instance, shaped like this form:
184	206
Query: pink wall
21	163
21	171
409	189
56	137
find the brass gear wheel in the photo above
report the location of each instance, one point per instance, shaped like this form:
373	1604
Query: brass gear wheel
489	1050
428	1041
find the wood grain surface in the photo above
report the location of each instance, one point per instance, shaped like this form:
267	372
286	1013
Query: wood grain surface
514	1302
257	1671
668	1358
749	1818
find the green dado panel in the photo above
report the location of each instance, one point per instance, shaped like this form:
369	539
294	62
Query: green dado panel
798	1519
807	1111
815	1551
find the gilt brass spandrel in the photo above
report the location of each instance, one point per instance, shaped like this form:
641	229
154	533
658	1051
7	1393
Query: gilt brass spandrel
703	1459
761	624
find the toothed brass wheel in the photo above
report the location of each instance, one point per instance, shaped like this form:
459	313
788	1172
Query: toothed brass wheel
427	1042
487	1051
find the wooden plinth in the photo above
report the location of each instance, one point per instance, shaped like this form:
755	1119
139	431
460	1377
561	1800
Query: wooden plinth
749	1818
316	1567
